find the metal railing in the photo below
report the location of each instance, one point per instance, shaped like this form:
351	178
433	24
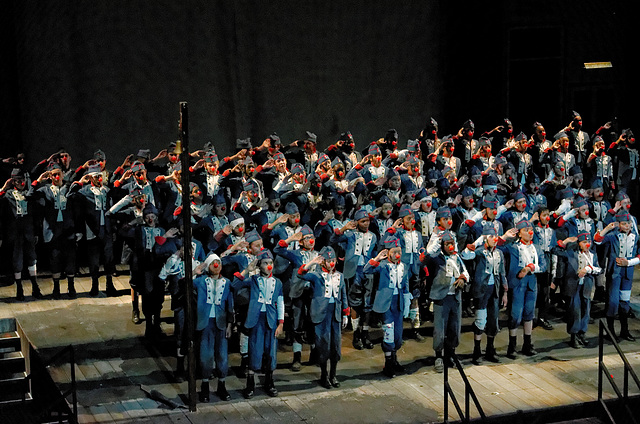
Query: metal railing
50	407
623	395
468	394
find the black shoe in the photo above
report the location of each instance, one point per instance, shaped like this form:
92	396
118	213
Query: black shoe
366	342
397	367
36	293
72	292
204	392
529	350
111	291
222	392
56	293
511	353
582	340
19	294
419	337
574	342
545	324
627	336
297	362
271	390
477	354
325	382
389	367
357	341
135	317
251	387
334	382
94	292
491	357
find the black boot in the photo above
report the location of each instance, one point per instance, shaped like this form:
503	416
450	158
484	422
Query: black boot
179	374
365	340
399	369
111	290
19	291
324	378
477	352
297	362
95	286
357	340
612	329
251	387
511	350
222	392
490	353
332	374
135	314
269	386
574	343
35	289
71	287
313	356
389	369
624	327
527	347
204	392
56	288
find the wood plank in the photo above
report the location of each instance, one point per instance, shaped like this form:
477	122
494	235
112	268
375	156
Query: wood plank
134	409
283	409
117	411
100	413
247	412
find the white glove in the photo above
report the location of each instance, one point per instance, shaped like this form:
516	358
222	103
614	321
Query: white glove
569	215
477	217
407	304
565	205
345	321
78	237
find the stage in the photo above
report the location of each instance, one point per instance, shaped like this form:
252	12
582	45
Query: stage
114	360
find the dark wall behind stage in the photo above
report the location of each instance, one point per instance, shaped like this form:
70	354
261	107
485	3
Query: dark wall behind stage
110	74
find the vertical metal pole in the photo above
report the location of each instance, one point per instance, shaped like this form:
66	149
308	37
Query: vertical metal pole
446	394
186	221
600	354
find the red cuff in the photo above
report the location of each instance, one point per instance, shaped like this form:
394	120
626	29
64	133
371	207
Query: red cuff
358	167
301	270
346	312
177	211
191	169
160	240
280	321
613	145
612	212
118	170
116	183
470	223
160	179
373	262
80	168
226	159
561	243
337	231
501	241
265	228
532	267
322	223
598	237
226	173
259	168
561	221
238	276
391	230
283	243
34	183
426	271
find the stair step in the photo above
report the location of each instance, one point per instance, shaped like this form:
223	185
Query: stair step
9	341
588	420
12	398
12	361
13	385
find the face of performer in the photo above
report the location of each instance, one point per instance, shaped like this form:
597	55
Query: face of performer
559	169
273	148
363	224
266	267
598	193
394	255
394	183
468	133
534	188
448	247
541	133
526	234
64	160
338	172
250	169
485	151
274	204
294	219
521	205
139	201
220	209
173	157
329	264
544	216
491	241
376	160
215	267
239	230
583	212
578	179
151	219
211	167
252	196
445	222
96	179
491	213
309	147
141	176
196	193
467	202
19	183
299	178
476	180
584	245
256	247
308	242
386	210
426	205
624	226
625	204
281	165
56	177
577	123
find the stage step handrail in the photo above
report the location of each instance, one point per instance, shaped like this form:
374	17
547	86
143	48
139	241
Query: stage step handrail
48	409
468	393
603	369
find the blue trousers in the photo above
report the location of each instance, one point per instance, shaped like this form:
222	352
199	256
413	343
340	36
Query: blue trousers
392	326
262	344
329	337
619	291
213	344
361	291
489	307
522	301
446	323
579	309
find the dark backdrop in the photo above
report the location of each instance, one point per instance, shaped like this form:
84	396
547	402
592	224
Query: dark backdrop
110	74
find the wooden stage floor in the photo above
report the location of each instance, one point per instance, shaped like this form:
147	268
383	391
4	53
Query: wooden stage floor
114	360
